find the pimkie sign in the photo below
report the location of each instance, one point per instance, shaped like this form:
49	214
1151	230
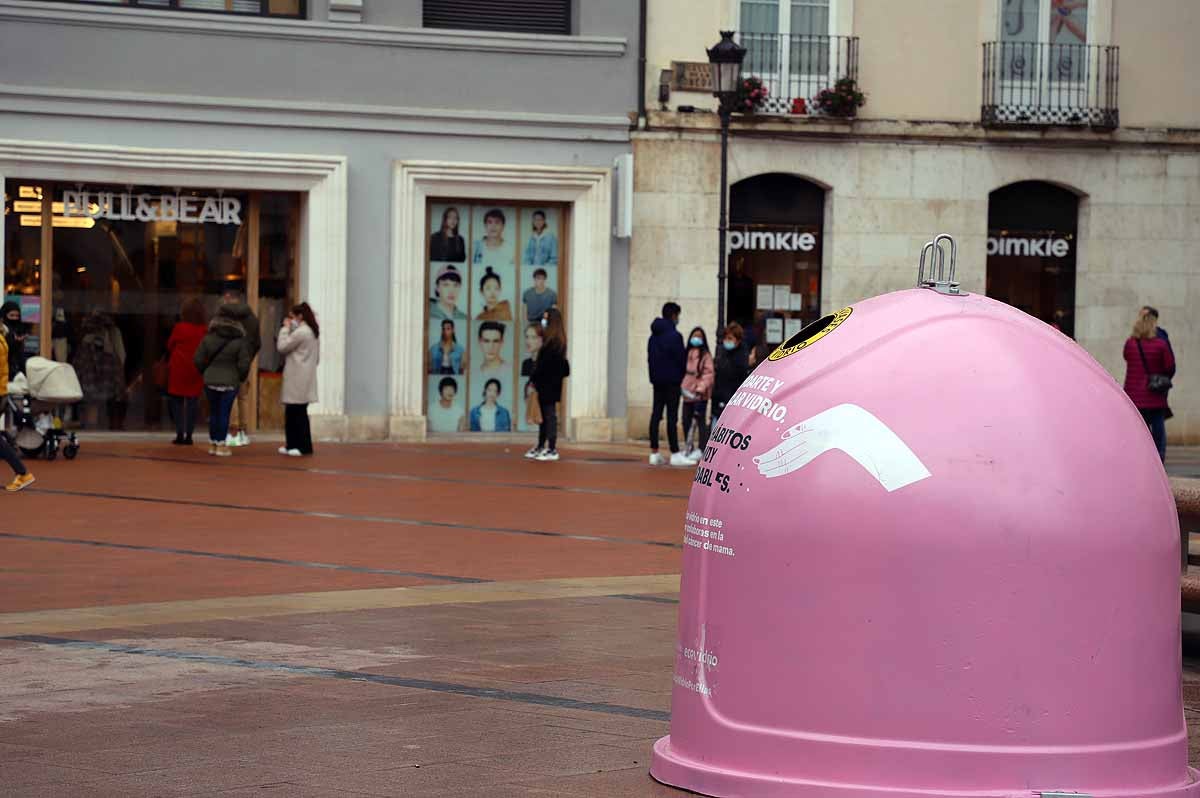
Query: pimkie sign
782	242
1040	247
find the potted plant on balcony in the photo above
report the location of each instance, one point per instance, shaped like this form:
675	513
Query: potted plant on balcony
751	95
843	100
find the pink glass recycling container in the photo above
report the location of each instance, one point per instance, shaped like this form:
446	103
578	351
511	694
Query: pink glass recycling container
930	551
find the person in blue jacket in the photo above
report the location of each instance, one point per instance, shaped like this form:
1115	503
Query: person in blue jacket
489	415
667	358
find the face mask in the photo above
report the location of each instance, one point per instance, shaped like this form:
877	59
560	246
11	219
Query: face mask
697	341
729	345
545	323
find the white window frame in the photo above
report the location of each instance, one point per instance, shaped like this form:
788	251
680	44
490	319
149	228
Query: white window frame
841	23
1099	31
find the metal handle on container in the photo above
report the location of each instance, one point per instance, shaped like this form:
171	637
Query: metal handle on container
939	279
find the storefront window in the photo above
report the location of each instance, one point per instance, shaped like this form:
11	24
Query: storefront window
776	235
494	268
123	262
1031	250
23	255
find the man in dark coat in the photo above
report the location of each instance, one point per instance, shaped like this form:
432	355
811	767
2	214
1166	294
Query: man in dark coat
667	358
233	305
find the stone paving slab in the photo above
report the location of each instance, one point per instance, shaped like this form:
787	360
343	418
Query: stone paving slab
147	651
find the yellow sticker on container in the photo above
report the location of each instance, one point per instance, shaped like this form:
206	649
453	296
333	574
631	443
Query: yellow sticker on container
811	334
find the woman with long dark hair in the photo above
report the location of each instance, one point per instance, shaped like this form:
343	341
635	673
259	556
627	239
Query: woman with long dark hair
299	343
184	382
696	389
550	368
447	244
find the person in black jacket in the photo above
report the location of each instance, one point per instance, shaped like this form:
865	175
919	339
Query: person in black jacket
667	357
733	366
15	337
447	243
550	368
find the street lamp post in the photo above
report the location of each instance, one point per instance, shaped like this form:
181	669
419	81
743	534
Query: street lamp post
726	60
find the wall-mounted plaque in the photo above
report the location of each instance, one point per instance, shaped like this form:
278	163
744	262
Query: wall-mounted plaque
691	76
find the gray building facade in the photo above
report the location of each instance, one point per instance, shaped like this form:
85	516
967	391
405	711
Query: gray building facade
341	134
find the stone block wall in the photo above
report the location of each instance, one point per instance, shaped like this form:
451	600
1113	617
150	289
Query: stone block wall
1139	231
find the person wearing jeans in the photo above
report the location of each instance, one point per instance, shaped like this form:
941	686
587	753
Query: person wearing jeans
667	359
1147	354
223	358
697	388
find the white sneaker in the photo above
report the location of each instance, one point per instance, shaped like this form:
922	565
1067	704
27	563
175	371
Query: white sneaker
232	440
657	459
282	450
533	453
548	455
681	460
294	453
695	456
242	438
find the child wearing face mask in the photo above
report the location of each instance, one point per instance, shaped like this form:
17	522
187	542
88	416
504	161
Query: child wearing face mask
732	368
696	389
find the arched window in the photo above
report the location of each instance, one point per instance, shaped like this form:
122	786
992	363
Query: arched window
775	240
1031	250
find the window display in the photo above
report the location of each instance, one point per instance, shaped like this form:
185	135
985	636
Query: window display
494	268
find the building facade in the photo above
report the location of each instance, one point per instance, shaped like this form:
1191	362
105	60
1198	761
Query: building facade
1046	136
429	176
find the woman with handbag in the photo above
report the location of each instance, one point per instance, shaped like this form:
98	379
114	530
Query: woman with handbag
550	368
1148	361
183	383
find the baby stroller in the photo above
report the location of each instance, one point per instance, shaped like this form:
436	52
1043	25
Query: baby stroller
35	404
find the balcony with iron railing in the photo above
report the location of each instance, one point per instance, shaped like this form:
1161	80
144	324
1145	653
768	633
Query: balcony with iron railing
798	67
1037	83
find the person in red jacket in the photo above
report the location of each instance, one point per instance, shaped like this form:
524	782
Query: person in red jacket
696	389
184	383
1147	355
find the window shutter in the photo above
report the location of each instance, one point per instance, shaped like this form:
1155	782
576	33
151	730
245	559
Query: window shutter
510	16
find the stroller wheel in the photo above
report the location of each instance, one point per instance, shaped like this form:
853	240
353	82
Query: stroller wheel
70	450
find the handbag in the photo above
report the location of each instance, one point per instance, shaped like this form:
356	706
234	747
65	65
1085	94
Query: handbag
160	372
1157	383
533	410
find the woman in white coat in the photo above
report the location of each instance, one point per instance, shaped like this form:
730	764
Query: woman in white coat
299	343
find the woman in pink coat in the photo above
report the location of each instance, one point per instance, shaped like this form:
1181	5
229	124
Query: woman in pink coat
697	388
1146	355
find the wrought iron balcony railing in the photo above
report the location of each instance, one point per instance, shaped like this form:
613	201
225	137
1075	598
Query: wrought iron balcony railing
797	66
1036	83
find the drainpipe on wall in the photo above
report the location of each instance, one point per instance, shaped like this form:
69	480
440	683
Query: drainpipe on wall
643	122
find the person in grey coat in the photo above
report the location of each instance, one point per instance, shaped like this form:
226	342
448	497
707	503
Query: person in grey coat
299	342
223	359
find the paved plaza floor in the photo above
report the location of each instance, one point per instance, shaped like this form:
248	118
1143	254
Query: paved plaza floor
377	620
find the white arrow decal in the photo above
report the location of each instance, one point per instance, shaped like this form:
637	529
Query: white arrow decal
854	431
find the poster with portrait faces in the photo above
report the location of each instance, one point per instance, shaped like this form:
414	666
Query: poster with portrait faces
447	354
448	294
531	342
493	263
492	270
492	372
448	235
447	404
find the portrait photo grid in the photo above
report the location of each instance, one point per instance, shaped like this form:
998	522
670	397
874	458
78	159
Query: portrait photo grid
493	270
